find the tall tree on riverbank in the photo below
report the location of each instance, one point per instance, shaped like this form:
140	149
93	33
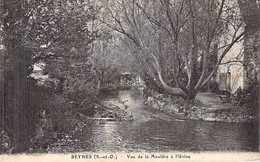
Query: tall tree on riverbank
250	10
174	40
65	38
57	32
16	83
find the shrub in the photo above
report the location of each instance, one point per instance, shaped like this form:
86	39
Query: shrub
212	86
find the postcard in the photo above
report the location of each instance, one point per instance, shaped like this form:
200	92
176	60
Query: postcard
129	80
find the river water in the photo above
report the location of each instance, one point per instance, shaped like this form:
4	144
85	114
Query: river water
153	130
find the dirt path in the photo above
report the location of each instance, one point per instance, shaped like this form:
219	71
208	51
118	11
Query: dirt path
212	101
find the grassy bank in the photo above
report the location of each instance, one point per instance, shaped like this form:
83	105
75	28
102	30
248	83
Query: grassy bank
207	107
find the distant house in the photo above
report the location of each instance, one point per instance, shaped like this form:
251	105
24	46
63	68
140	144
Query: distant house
231	77
231	70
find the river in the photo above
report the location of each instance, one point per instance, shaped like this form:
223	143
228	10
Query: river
153	131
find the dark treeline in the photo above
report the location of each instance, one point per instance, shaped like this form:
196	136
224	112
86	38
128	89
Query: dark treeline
58	33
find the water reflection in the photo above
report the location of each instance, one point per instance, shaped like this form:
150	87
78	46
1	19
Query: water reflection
155	131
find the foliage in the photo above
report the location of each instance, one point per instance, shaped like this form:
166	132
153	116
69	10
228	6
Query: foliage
110	57
58	33
185	37
64	37
251	16
212	86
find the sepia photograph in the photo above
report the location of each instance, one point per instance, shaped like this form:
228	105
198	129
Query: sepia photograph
163	78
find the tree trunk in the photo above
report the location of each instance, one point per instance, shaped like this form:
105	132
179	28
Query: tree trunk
251	13
17	90
17	85
250	10
251	56
189	99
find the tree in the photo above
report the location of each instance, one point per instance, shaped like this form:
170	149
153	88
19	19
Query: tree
185	35
16	84
57	32
251	15
63	33
250	10
110	57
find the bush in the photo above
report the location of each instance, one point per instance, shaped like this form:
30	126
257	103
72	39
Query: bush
212	86
104	91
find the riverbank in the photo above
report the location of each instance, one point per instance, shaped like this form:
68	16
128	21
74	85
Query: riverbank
112	90
207	107
151	130
115	109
